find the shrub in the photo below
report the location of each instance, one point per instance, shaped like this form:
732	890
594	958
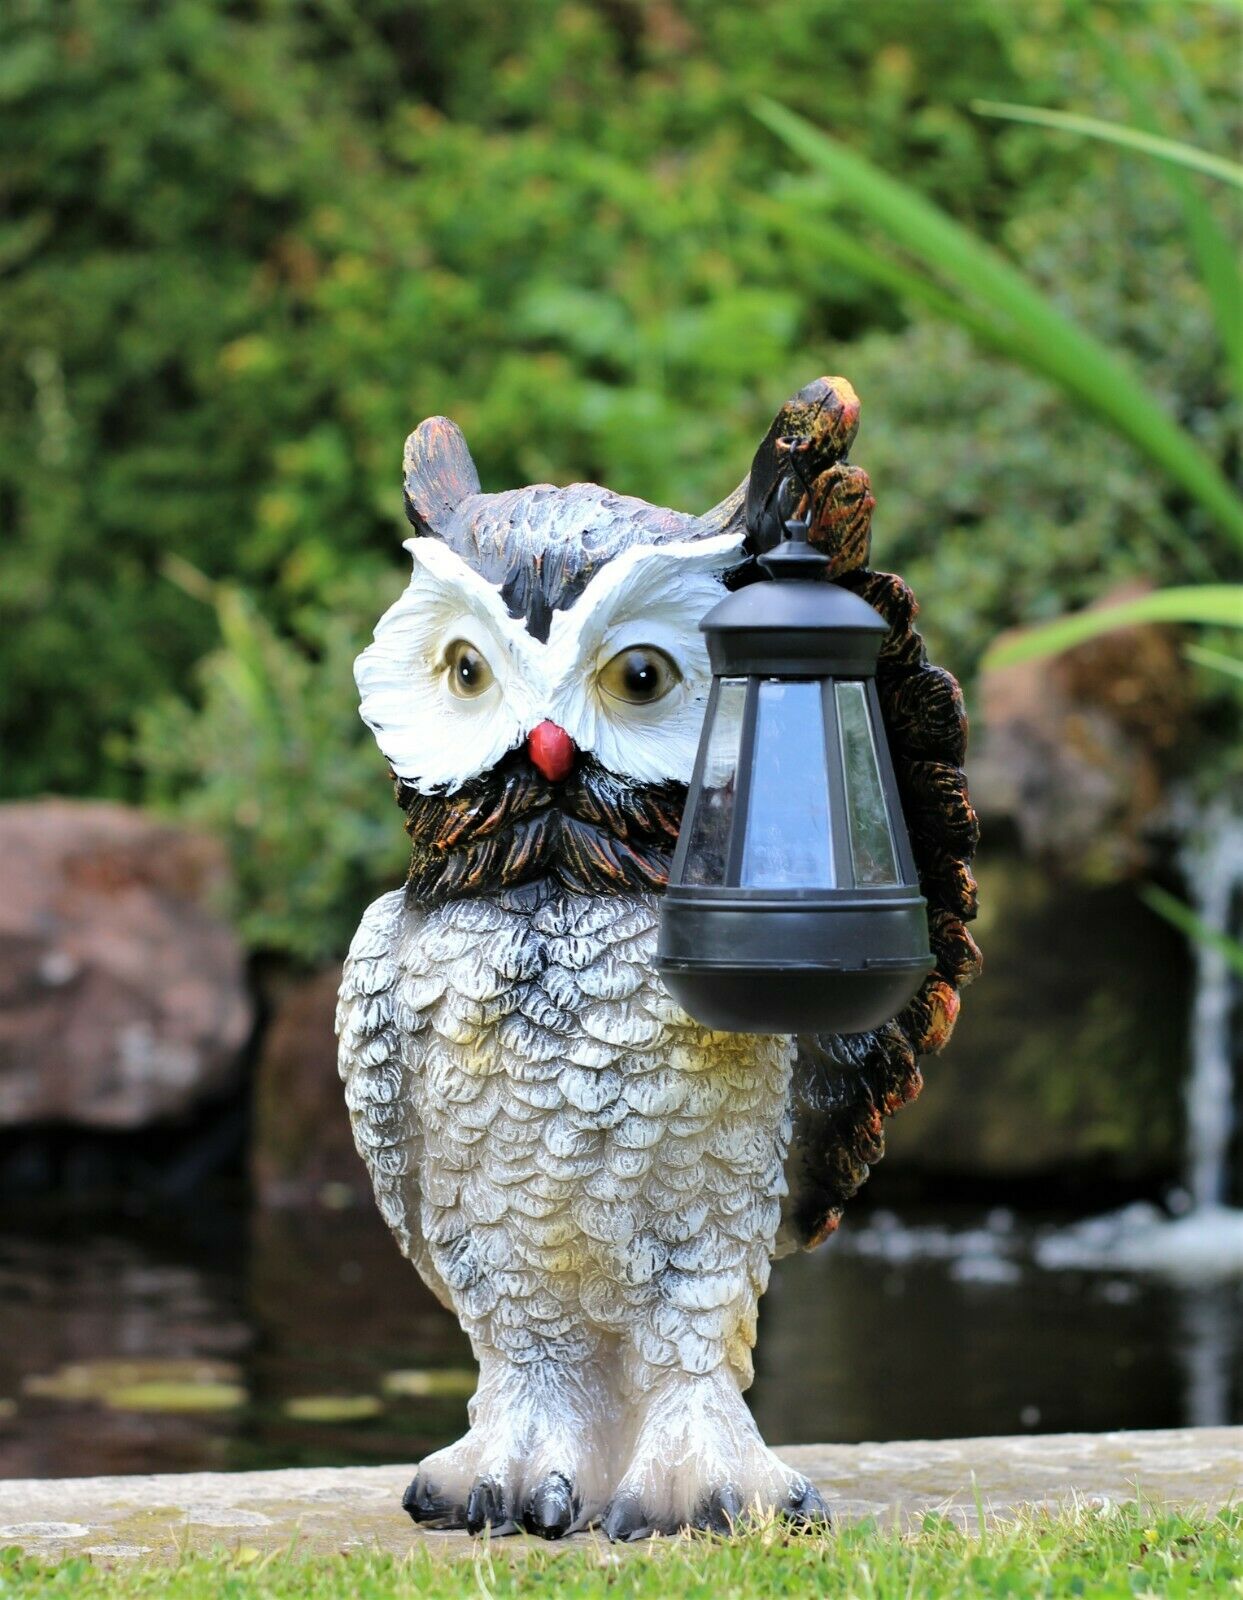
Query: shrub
274	759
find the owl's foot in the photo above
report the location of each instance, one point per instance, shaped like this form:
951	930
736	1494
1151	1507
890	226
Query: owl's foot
699	1462
628	1518
442	1497
550	1507
538	1456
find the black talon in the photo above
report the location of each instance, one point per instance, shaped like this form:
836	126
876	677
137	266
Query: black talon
806	1506
551	1508
421	1502
485	1506
720	1512
625	1519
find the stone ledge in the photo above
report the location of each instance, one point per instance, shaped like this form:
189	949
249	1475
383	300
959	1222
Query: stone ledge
339	1508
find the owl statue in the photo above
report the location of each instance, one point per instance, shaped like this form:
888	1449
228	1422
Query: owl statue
594	1183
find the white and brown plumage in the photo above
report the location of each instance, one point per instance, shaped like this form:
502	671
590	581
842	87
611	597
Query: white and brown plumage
594	1183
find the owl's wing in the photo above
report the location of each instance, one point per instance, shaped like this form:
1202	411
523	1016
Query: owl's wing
374	1052
845	1086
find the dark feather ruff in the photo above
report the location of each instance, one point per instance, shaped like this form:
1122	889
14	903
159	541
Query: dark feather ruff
595	833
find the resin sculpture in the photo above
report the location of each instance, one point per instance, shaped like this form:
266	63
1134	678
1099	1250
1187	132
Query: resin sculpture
594	1183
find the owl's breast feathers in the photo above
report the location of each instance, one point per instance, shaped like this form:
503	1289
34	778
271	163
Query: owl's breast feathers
557	1146
374	1063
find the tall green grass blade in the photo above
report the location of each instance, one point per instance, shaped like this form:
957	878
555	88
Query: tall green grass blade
840	246
1139	140
1219	272
1180	914
1215	253
846	249
1218	605
1215	660
1050	342
1202	116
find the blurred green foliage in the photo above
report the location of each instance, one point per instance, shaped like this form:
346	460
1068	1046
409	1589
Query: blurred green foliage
245	247
271	758
248	247
1001	503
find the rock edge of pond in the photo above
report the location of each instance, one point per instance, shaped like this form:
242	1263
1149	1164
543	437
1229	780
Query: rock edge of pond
325	1509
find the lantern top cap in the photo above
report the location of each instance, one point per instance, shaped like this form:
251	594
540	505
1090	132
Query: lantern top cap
794	604
795	628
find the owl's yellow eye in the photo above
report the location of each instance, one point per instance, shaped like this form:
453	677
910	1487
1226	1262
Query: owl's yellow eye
469	674
639	676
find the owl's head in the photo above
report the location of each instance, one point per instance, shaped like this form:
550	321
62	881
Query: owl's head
573	611
539	687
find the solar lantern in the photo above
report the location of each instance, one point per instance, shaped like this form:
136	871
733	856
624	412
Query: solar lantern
793	903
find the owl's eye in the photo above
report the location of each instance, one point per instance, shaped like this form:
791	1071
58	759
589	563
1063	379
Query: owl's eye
639	676
469	674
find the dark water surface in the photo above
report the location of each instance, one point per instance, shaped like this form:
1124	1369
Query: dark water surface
264	1327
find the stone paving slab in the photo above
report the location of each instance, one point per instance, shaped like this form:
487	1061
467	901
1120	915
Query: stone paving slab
340	1508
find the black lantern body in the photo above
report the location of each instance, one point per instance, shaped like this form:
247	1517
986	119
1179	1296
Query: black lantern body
793	903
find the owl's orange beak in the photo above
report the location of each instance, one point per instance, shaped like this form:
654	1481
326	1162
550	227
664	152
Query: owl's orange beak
551	750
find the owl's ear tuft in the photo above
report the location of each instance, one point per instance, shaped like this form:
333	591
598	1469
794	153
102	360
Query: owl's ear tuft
728	516
438	474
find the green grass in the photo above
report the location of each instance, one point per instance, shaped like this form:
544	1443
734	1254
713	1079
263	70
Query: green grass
1129	1550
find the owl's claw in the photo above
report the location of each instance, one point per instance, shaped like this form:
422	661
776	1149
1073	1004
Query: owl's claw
625	1519
806	1506
423	1503
485	1507
720	1512
551	1508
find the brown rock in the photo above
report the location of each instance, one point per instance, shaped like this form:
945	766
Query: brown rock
122	990
302	1146
1077	749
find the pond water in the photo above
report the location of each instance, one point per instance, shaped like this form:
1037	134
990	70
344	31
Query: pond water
301	1338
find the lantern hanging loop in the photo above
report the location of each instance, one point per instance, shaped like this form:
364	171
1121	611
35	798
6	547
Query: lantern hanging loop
794	448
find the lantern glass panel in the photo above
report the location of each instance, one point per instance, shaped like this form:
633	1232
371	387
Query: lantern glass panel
871	840
708	845
788	842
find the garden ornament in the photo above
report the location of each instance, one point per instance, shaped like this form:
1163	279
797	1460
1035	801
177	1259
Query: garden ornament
594	1181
